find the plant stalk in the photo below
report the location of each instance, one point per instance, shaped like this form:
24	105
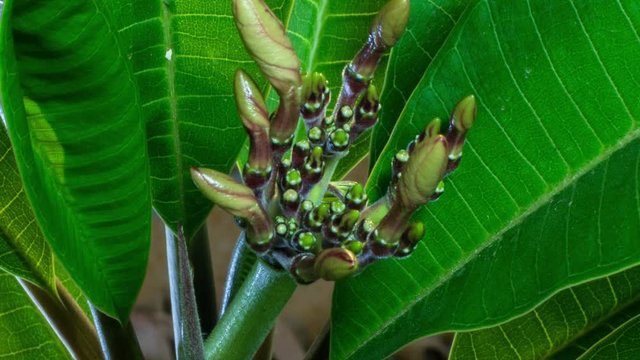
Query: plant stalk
242	261
67	320
319	189
117	341
251	315
184	312
203	280
319	350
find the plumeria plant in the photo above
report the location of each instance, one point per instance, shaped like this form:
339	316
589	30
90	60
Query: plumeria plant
114	109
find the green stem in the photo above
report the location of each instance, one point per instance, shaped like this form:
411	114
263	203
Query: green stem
186	326
203	281
242	261
251	315
319	350
318	190
67	319
117	341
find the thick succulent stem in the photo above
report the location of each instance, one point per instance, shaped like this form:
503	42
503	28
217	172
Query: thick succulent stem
251	315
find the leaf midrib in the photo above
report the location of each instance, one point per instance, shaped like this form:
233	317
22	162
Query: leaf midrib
605	155
173	105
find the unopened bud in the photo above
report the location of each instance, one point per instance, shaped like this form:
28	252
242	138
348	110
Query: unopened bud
344	115
335	264
299	153
316	97
305	241
318	216
292	180
313	166
354	246
366	111
391	21
356	198
338	141
410	238
462	119
238	200
289	202
316	136
423	172
267	43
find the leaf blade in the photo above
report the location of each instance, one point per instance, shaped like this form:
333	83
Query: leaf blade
79	143
25	251
521	163
24	334
562	327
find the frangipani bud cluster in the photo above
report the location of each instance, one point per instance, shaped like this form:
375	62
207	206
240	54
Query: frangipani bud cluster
294	217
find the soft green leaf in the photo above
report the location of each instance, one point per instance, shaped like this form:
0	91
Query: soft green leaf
23	250
184	55
547	194
75	121
24	332
562	327
623	343
430	24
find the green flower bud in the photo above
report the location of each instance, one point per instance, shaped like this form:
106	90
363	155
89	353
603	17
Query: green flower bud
462	119
267	43
316	97
238	200
335	264
344	115
391	21
338	141
318	216
411	236
423	172
356	197
254	116
305	241
366	113
354	246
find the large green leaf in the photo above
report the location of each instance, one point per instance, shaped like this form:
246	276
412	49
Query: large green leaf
184	55
563	327
623	343
75	122
23	250
547	193
24	332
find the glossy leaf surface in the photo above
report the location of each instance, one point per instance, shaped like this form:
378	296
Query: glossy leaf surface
23	250
562	327
74	118
184	55
547	193
24	332
623	343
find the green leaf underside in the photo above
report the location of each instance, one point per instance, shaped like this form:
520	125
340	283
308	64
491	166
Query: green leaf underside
562	327
623	343
75	123
547	193
429	26
24	332
24	251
